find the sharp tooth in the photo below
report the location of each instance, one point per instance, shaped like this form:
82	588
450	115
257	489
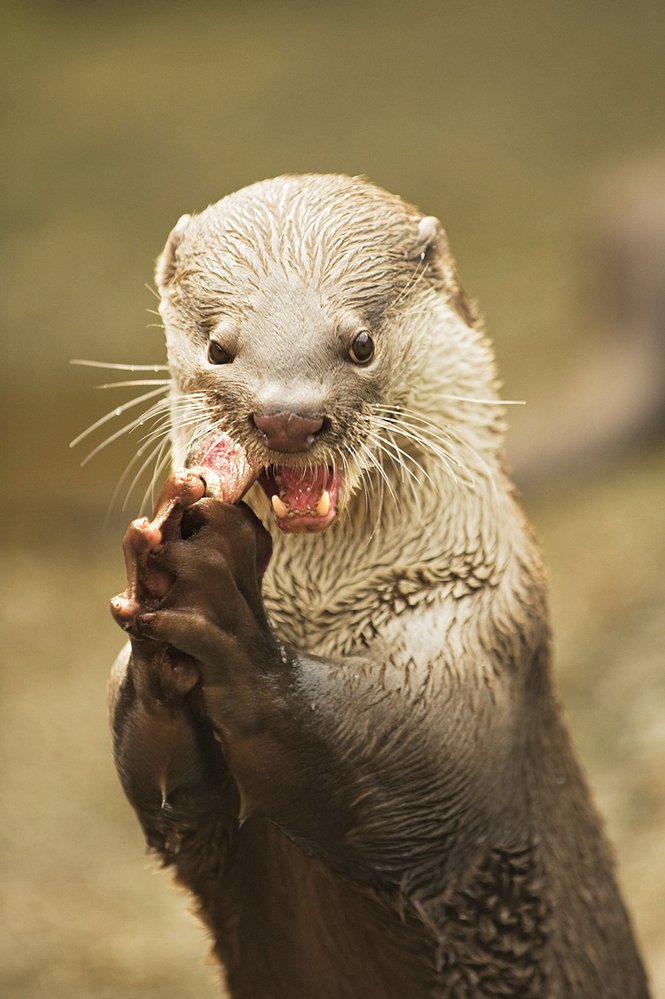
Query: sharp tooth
323	506
280	508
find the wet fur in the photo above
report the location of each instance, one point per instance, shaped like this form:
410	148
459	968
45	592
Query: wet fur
443	842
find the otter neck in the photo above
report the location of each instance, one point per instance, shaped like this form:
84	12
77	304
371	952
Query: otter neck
366	567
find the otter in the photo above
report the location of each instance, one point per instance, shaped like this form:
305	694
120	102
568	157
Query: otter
336	719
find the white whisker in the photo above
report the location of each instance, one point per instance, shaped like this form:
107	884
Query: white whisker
116	491
118	411
384	478
427	442
152	456
415	279
145	417
400	457
157	442
392	452
162	462
135	381
486	402
83	363
430	436
165	425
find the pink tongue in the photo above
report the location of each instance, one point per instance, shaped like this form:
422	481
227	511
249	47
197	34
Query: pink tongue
301	488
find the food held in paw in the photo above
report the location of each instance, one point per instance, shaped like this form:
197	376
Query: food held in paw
225	469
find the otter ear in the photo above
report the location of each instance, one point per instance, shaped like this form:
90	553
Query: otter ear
166	263
432	249
429	236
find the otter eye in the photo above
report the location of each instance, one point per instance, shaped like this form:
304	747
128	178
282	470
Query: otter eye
217	354
362	348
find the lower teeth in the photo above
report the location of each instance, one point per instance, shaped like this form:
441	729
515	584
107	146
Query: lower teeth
282	510
323	506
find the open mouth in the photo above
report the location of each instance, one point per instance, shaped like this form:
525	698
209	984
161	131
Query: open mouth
302	499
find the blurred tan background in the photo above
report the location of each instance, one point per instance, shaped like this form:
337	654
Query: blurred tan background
535	130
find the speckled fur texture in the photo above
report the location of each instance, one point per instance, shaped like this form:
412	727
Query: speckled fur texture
418	825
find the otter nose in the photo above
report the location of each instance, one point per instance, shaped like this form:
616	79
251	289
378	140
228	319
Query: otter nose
288	431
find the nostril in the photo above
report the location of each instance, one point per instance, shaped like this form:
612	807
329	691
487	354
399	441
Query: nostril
288	431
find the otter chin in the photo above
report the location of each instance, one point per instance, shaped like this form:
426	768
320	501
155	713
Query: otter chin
347	744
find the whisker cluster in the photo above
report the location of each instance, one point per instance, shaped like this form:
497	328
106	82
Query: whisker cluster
402	439
161	416
395	445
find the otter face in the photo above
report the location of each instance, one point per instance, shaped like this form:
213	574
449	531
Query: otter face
286	308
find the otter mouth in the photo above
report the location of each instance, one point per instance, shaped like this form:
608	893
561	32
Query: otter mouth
302	499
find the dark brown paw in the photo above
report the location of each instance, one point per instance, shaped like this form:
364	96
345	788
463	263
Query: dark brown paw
213	609
160	672
147	581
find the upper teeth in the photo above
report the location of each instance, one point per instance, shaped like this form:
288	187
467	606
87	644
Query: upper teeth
323	506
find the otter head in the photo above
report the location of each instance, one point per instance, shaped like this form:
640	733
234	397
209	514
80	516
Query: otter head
293	315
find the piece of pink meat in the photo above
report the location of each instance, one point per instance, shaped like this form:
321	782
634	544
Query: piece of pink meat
225	469
222	472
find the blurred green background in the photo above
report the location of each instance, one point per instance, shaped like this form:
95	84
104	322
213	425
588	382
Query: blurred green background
530	128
